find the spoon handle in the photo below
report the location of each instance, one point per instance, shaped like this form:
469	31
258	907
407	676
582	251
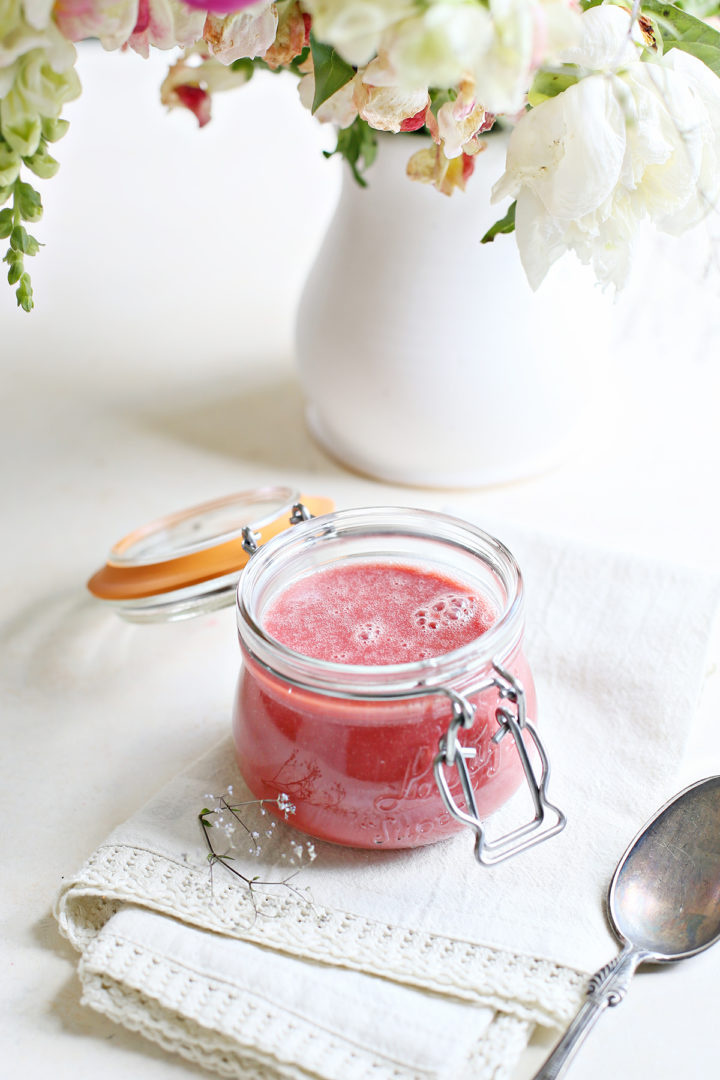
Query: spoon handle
606	988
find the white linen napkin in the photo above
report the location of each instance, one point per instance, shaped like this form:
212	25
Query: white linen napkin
419	964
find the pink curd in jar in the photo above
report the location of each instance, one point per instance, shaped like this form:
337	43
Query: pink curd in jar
360	772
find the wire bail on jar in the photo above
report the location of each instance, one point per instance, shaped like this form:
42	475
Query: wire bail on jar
511	718
250	540
548	819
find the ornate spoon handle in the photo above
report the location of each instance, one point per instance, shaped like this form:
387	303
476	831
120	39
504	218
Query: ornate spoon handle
606	988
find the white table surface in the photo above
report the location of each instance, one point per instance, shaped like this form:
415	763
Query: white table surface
156	372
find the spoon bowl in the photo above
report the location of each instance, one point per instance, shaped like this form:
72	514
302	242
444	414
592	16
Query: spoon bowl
663	904
665	893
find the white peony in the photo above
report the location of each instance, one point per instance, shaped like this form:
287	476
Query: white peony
443	43
526	35
441	46
356	28
498	47
632	139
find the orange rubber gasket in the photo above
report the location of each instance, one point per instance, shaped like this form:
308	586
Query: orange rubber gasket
115	582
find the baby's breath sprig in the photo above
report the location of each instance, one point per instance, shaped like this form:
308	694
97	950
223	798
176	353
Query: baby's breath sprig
215	818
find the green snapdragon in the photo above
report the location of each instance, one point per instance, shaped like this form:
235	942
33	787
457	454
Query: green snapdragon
37	78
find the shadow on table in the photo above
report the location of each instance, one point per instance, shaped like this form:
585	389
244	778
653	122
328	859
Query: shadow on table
63	643
68	1012
263	422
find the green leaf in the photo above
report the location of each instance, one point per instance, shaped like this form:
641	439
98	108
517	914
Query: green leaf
6	223
21	240
438	98
683	25
297	62
681	30
28	202
548	84
245	65
504	225
703	9
331	72
24	293
709	54
356	143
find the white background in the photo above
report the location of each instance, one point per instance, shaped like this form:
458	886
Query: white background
156	371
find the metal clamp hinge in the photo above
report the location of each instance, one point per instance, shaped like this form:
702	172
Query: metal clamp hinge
251	540
299	513
511	716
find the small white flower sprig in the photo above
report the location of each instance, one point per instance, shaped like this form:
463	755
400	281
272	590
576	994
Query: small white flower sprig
225	817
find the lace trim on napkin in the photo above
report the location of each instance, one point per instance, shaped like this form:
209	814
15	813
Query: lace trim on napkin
531	989
213	1024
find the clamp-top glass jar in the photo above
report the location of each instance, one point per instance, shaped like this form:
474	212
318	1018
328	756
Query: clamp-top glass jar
389	754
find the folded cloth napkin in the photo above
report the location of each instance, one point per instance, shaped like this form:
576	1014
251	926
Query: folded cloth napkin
415	964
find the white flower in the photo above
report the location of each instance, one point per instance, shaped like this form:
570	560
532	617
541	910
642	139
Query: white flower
38	12
639	139
23	38
168	23
459	122
161	23
498	47
284	804
382	103
248	33
442	43
441	46
526	34
355	27
37	77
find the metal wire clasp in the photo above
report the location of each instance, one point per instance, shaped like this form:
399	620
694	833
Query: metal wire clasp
251	540
511	716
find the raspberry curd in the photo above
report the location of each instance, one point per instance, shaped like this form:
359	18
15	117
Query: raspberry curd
359	771
377	613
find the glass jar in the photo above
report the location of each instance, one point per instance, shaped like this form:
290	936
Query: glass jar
370	756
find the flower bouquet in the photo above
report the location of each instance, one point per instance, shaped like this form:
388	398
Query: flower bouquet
614	111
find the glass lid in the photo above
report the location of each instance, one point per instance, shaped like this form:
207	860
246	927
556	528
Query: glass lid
190	561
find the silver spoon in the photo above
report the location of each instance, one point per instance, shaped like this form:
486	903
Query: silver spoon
663	904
